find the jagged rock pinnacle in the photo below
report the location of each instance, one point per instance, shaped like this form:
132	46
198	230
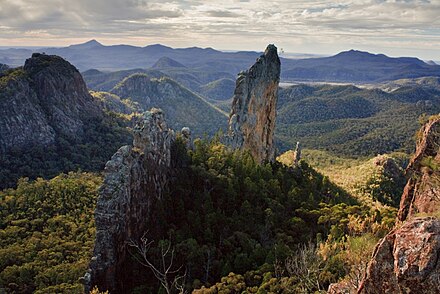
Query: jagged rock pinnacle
252	118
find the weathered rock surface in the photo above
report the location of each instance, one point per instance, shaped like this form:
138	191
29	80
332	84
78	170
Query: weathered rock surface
406	260
252	118
422	192
45	98
134	177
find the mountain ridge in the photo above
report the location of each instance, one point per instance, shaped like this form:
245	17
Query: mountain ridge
347	66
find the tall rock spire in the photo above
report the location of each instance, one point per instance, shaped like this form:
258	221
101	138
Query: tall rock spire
252	118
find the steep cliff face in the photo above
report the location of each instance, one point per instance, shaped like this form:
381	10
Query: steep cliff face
252	118
406	260
44	98
134	177
422	192
23	121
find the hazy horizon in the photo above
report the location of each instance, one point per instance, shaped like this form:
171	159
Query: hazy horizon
391	27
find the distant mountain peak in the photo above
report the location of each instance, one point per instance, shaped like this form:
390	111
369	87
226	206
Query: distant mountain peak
166	62
353	52
89	44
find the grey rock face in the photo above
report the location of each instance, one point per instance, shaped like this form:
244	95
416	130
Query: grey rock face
252	118
45	98
23	122
297	155
134	177
186	135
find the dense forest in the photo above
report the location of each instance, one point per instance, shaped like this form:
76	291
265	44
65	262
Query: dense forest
47	233
353	122
233	225
101	139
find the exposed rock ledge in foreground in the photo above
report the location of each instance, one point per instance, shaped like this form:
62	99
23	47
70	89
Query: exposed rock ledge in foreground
134	177
252	118
406	260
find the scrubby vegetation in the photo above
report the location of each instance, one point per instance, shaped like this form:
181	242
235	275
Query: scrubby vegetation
373	181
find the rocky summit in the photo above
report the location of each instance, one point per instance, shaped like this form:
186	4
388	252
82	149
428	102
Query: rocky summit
134	178
44	98
252	118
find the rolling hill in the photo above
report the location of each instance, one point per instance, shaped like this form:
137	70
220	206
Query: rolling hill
350	121
183	107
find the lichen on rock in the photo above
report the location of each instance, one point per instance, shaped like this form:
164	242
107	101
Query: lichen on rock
405	261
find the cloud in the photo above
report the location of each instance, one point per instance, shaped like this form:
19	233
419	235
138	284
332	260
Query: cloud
222	13
227	24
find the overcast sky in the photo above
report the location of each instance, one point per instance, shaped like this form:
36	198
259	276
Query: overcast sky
394	27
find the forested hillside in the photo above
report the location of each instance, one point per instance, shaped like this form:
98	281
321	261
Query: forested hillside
350	121
205	218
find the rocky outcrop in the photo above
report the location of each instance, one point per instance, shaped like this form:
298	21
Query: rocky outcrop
406	260
45	98
135	177
422	192
252	118
296	155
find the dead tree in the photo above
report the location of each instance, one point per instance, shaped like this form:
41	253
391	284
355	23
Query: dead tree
164	270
